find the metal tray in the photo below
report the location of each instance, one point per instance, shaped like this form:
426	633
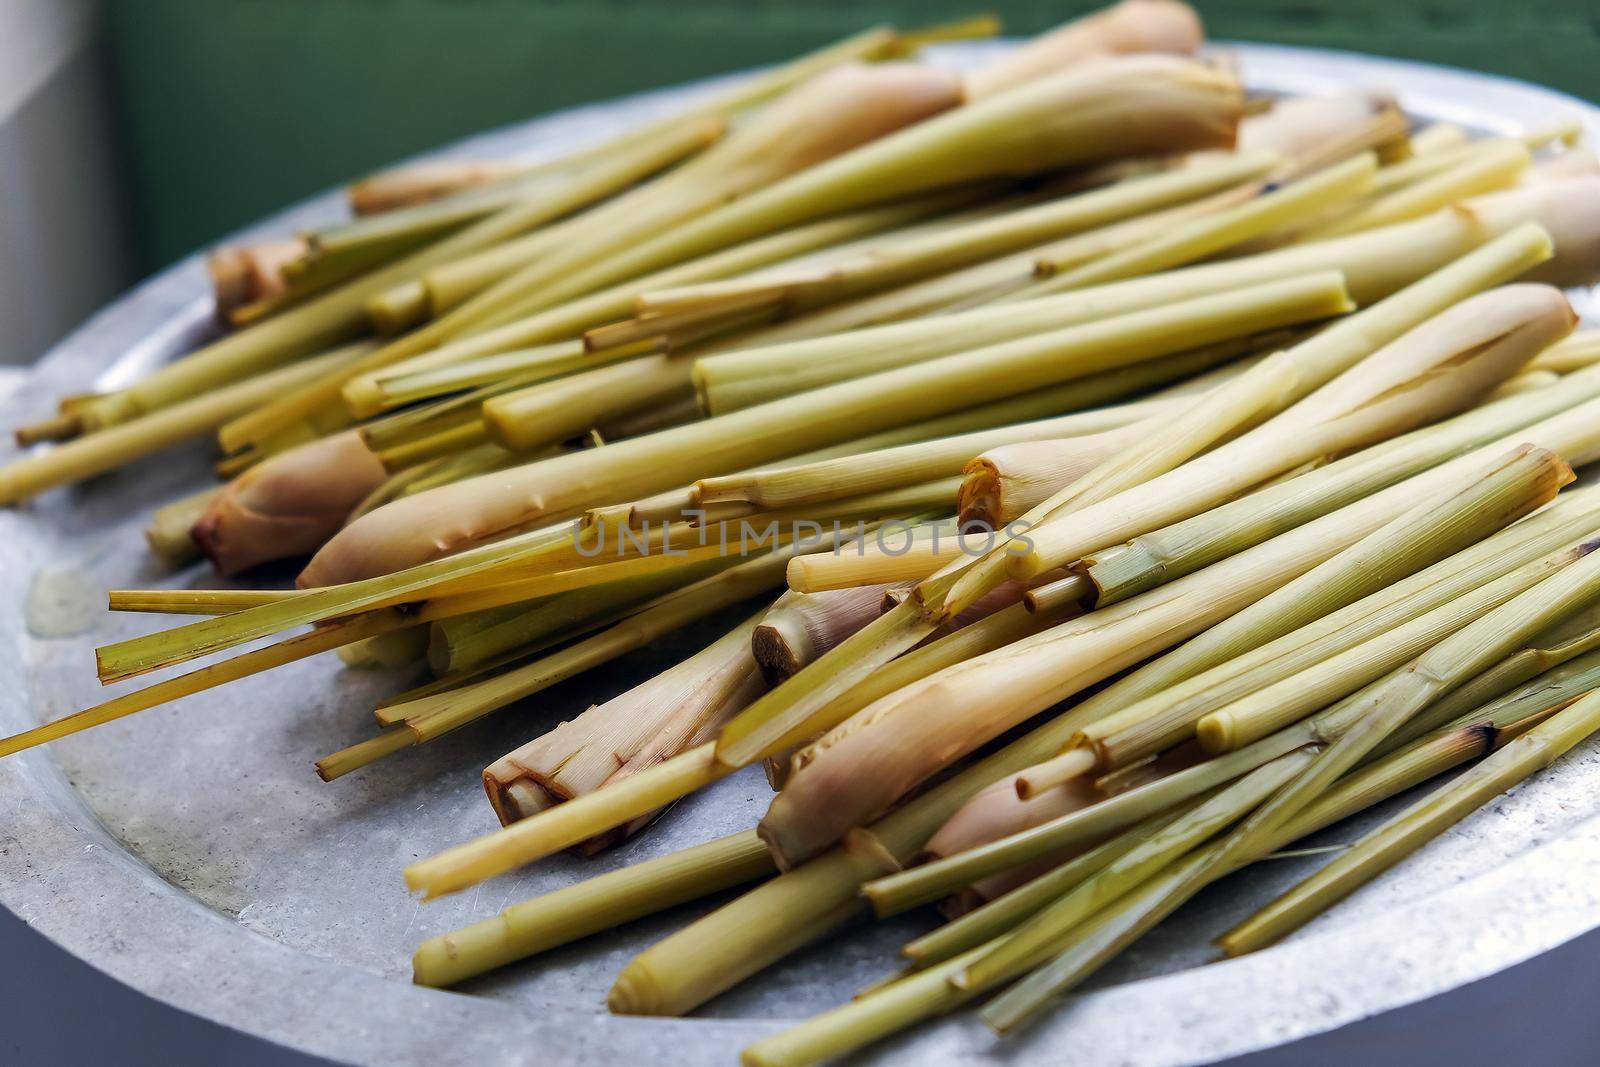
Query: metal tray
191	853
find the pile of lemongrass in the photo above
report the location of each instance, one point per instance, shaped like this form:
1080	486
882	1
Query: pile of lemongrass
1089	481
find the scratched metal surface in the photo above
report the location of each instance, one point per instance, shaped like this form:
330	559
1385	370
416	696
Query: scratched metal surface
191	853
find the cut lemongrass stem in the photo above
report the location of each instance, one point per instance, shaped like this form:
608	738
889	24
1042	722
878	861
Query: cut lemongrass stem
131	439
1484	170
1047	926
1388	844
895	262
413	527
289	650
1161	702
1209	234
617	803
599	903
168	532
1321	394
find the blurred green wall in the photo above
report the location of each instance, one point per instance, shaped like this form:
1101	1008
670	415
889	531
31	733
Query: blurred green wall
230	108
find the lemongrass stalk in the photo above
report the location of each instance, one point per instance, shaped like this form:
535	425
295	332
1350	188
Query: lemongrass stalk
599	903
1004	913
1001	488
192	601
1086	949
1127	27
1163	701
1091	946
339	306
1147	859
1427	164
1316	131
1106	110
1217	232
575	821
1436	137
870	1017
1492	497
430	717
1023	680
1511	682
168	532
546	412
651	722
457	645
1377	711
481	460
438	445
522	366
325	320
1379	263
734	380
867	471
112	448
874	565
243	274
288	505
799	628
363	393
992	814
1535	699
1257	714
832	113
140	655
1525	382
1495	166
1388	844
1079	396
283	652
1182	547
1369	400
896	262
975	285
411	529
1575	353
418	183
1335	379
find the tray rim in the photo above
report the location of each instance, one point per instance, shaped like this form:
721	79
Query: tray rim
72	881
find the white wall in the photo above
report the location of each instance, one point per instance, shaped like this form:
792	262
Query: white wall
63	248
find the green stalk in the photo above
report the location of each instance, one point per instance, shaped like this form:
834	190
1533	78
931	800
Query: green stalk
732	381
364	393
415	528
1046	927
599	903
1210	234
1124	107
1516	686
1159	703
1425	535
1323	397
1388	844
800	288
136	437
1126	808
1180	548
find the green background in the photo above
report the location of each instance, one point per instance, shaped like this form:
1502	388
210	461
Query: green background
231	108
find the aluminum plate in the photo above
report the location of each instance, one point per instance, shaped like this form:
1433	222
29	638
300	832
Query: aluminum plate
191	853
